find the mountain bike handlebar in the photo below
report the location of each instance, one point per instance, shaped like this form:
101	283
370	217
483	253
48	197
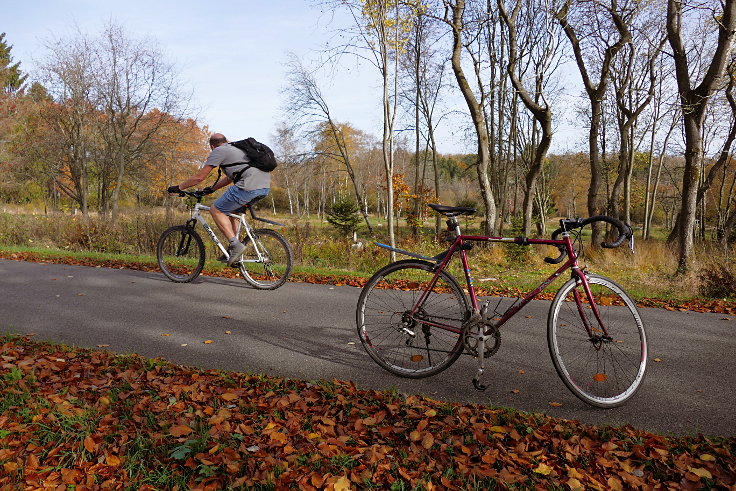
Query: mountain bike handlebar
624	232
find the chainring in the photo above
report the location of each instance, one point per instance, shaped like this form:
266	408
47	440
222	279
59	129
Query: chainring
493	342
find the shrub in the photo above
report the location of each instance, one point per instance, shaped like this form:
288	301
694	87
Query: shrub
718	280
344	215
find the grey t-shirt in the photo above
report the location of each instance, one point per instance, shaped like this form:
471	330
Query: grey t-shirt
251	179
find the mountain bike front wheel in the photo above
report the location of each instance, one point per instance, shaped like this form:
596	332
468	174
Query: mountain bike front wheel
180	254
267	261
603	367
407	337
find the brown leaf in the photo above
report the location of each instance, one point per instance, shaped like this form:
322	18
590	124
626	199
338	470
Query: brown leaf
89	444
180	430
427	441
555	404
112	460
342	484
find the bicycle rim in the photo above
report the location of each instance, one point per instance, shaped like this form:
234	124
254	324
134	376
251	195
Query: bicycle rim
604	371
411	345
272	267
180	254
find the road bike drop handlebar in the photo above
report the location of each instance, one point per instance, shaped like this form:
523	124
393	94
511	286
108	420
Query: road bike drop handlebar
625	232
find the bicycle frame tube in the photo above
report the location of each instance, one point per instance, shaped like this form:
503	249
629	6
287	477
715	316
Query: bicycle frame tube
242	225
572	262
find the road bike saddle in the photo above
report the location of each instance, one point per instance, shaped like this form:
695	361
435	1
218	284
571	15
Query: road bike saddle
452	211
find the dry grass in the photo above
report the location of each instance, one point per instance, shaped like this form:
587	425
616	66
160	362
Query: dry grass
648	273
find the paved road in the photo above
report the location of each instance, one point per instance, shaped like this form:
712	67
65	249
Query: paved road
308	332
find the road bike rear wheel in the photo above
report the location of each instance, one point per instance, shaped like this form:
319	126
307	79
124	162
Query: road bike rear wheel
602	370
180	254
409	342
271	268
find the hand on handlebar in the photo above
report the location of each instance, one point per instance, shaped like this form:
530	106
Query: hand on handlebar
175	190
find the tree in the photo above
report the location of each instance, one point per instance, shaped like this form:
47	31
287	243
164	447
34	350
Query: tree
628	82
344	215
12	78
306	104
112	95
542	46
610	42
131	78
455	18
694	99
425	67
67	149
383	27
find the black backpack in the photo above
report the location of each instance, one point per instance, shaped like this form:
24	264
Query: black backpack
261	157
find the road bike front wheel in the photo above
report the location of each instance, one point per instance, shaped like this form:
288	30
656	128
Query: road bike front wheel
267	261
604	368
407	337
180	254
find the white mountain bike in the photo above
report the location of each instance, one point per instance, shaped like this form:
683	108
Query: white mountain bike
266	263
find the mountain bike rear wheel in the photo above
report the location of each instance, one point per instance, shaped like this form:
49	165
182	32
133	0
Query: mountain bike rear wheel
604	369
180	254
407	341
266	263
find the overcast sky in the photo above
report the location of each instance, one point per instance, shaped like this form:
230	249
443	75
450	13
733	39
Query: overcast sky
231	56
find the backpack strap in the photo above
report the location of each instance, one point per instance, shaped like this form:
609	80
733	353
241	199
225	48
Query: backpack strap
237	175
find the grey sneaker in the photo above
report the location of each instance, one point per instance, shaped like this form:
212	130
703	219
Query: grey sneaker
235	251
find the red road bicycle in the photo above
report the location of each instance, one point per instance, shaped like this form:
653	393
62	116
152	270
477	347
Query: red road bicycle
414	319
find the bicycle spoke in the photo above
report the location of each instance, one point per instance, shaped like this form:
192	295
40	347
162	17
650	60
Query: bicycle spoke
601	370
407	339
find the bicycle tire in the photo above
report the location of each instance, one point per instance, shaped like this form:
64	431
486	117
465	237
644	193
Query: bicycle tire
180	260
601	371
276	269
390	334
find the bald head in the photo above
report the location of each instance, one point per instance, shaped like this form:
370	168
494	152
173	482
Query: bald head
217	139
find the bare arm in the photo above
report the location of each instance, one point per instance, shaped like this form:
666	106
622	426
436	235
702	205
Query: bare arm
224	181
197	178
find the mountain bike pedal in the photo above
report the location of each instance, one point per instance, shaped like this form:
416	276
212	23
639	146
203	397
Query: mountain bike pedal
478	386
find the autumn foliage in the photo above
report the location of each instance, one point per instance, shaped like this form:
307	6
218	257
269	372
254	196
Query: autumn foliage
100	421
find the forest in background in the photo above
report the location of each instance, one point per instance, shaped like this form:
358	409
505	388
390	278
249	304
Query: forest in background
103	125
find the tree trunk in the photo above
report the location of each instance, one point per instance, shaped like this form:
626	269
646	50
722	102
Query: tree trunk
476	113
694	102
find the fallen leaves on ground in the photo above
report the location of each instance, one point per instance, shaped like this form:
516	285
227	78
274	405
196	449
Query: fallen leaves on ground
94	420
696	305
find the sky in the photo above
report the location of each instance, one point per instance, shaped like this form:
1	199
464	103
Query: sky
231	56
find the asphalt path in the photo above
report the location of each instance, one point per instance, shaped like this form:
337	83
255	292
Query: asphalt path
308	332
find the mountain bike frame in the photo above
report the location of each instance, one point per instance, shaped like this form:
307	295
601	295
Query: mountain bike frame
242	225
479	314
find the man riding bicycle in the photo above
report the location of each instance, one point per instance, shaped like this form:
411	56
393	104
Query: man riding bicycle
249	183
